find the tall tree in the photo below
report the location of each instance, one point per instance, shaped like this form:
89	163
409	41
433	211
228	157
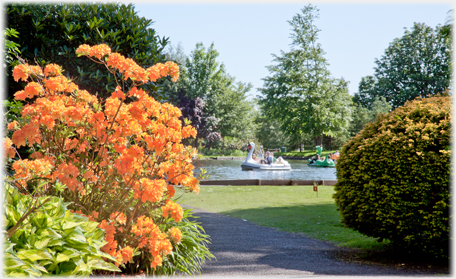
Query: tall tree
417	64
362	115
234	112
225	99
300	93
204	76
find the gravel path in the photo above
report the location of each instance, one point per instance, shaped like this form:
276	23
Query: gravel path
245	249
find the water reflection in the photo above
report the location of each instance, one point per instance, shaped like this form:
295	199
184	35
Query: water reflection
231	169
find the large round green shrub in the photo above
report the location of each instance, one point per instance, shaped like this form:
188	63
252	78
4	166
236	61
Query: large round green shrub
394	177
51	33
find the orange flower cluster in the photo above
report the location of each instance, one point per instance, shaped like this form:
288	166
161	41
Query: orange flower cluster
118	217
8	147
52	70
151	238
31	90
24	71
28	132
67	174
149	190
162	70
97	51
128	67
26	170
117	159
176	234
173	208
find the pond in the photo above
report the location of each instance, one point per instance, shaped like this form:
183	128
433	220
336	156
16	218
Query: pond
231	169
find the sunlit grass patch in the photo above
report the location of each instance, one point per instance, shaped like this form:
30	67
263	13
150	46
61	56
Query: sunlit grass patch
287	208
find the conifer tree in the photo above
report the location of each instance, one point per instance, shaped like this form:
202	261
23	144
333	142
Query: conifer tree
300	92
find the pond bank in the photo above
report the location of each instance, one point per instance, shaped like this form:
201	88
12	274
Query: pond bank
268	182
243	158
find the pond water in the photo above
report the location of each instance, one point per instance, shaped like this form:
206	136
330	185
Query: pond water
231	169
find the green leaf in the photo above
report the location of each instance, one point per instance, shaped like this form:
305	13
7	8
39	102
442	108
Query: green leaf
40	244
62	258
100	264
12	261
72	253
69	225
34	255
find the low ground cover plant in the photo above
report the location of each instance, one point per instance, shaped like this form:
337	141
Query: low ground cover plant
394	177
116	161
52	240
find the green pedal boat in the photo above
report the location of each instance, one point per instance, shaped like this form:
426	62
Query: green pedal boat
326	163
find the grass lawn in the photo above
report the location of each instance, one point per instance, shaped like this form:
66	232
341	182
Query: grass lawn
288	208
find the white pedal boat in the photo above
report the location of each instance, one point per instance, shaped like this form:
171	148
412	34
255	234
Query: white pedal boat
250	164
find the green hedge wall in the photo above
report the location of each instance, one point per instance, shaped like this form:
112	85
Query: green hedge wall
394	177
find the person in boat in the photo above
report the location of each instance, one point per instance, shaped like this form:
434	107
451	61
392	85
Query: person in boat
336	155
265	160
315	158
270	158
255	158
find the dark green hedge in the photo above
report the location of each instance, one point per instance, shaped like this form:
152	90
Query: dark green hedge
50	33
394	177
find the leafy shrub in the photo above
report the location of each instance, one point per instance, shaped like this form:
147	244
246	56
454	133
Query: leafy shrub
393	177
117	161
50	33
52	241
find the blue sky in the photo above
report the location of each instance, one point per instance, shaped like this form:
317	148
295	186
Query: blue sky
352	35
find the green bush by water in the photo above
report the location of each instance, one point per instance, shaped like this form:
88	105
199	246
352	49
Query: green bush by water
394	177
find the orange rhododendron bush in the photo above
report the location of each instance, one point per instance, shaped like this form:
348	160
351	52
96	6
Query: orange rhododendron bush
118	161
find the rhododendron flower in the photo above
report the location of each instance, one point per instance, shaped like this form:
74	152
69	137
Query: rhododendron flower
27	169
8	146
119	217
176	234
127	254
99	51
118	93
20	95
175	210
33	89
13	125
35	71
156	262
52	70
21	72
83	50
67	175
149	190
95	214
